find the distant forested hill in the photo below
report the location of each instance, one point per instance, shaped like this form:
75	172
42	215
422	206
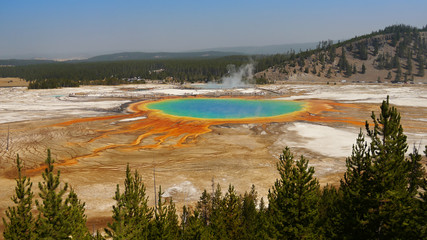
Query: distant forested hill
160	55
267	50
21	62
395	54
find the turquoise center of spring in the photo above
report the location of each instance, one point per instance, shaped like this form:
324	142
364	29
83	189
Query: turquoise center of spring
217	108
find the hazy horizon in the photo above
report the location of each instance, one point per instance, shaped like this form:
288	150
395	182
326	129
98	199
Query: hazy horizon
80	29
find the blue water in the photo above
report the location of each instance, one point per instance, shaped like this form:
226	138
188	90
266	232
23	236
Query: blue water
213	108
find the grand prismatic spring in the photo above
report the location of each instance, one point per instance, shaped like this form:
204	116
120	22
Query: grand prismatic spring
213	108
177	122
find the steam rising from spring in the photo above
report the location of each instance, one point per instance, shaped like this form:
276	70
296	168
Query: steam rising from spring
236	78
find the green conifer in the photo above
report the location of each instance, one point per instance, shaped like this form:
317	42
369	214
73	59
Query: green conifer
357	191
20	220
264	223
192	226
330	215
392	213
249	214
131	214
165	222
232	215
204	207
421	64
75	217
51	222
293	200
217	226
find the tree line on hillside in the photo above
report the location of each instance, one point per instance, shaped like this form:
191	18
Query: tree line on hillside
405	60
407	51
382	195
74	74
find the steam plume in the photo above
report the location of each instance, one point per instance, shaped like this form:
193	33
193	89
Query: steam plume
238	78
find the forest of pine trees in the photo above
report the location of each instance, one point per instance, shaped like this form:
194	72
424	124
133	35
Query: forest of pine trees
382	195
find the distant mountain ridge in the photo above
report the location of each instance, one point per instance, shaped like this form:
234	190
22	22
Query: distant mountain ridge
267	49
203	54
23	62
159	55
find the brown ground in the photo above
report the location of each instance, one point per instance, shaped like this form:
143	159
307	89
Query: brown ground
13	82
238	154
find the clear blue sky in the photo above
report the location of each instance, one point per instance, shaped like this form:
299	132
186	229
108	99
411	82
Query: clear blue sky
79	28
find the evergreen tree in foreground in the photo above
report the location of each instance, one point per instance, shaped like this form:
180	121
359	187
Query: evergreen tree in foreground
20	223
357	191
232	214
76	218
251	224
58	219
294	199
192	226
165	222
380	186
423	203
330	214
131	214
390	174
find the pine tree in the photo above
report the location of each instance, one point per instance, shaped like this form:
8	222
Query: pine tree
75	217
417	188
51	222
20	223
192	226
165	222
294	199
363	50
204	207
232	215
363	68
392	214
357	191
348	71
264	228
380	186
398	74
423	204
249	214
131	214
409	63
332	54
330	215
376	47
343	63
420	65
416	172
217	225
